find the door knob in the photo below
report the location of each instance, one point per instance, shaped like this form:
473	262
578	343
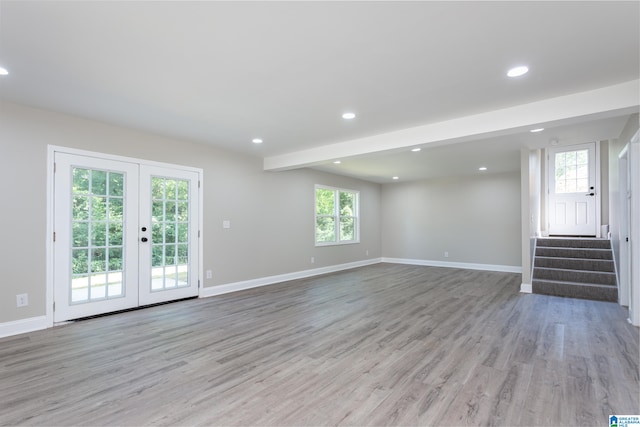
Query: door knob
144	239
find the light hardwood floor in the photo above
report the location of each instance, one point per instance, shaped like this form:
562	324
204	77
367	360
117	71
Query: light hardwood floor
380	345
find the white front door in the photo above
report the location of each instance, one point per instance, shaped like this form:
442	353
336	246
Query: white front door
126	235
572	190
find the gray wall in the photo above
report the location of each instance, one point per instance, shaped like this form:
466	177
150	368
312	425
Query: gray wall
476	219
271	214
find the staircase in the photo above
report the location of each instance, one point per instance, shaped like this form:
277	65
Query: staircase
575	268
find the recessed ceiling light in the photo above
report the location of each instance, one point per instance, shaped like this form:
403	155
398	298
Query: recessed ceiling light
518	71
415	150
3	71
256	141
337	162
536	130
349	116
483	168
396	177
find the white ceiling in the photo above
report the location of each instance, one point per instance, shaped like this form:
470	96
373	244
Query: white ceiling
223	73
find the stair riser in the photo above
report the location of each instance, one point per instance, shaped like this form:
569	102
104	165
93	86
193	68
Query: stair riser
575	276
576	291
574	243
574	253
576	264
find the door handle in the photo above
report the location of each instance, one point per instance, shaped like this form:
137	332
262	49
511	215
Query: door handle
144	239
590	194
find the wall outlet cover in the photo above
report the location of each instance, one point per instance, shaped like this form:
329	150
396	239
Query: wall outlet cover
22	300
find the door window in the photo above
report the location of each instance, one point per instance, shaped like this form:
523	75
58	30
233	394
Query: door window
572	172
97	227
170	233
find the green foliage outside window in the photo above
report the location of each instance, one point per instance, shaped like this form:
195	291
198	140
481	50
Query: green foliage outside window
97	221
336	215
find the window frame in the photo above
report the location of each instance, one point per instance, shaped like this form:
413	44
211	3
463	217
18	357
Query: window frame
336	215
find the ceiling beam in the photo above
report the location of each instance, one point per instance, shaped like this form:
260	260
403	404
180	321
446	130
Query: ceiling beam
594	103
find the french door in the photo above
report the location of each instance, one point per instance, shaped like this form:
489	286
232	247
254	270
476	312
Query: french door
572	190
126	235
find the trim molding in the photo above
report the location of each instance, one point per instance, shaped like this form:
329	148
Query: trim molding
23	326
462	265
526	288
270	280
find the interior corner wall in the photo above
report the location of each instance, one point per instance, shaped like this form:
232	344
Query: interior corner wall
526	230
475	219
544	220
535	196
604	184
615	147
271	214
535	191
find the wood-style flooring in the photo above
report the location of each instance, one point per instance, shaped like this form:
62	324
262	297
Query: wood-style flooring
380	345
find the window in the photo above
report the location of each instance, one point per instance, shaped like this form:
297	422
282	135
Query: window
572	171
336	216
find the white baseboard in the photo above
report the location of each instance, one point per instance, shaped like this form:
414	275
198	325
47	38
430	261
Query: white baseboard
526	288
270	280
23	326
462	265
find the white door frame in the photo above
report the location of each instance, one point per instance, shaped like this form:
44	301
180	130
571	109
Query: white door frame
624	233
634	187
597	197
51	150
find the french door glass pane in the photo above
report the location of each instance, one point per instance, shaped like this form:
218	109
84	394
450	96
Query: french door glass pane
169	233
97	225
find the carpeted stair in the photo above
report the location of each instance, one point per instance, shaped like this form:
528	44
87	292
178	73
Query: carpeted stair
575	268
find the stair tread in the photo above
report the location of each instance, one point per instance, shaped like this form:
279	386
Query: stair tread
611	273
574	243
574	253
575	259
571	248
595	285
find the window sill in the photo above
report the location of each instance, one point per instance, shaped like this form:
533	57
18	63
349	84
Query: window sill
350	242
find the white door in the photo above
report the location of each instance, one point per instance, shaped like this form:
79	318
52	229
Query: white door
169	204
126	235
572	190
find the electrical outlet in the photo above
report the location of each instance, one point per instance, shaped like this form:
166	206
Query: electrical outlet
209	274
313	260
366	252
446	254
22	300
